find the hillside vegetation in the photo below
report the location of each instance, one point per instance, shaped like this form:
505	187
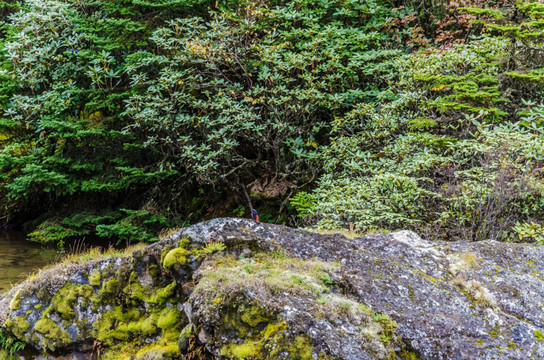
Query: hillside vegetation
120	118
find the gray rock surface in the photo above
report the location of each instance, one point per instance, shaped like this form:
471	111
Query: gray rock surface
378	296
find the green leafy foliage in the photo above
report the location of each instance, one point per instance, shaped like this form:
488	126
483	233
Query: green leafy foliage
11	343
131	105
532	232
62	148
303	203
121	118
135	225
251	90
456	154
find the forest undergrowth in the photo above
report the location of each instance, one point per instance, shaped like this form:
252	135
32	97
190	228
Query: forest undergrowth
121	118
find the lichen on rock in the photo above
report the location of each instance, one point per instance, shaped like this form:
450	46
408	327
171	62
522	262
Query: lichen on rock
237	289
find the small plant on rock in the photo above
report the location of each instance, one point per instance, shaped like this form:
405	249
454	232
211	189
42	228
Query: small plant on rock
10	343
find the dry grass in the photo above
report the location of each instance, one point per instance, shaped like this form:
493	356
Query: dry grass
350	234
477	291
463	262
167	232
97	253
72	256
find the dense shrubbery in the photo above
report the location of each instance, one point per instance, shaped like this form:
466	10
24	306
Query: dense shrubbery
123	117
64	150
459	153
119	111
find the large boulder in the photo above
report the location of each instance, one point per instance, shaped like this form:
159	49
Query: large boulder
236	289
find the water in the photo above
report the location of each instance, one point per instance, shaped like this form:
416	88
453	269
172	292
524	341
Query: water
19	258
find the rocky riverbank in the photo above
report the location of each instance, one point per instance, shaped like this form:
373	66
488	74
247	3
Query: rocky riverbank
235	289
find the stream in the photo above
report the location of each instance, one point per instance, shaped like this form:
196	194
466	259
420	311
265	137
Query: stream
19	258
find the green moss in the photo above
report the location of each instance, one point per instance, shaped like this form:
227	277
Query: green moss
18	326
15	303
145	326
155	272
389	327
162	295
135	290
273	337
123	351
125	327
127	324
118	325
5	355
366	309
184	242
274	329
149	326
113	325
174	257
232	322
299	349
110	287
323	356
261	334
248	349
512	346
45	325
95	278
54	336
164	251
260	341
86	292
132	323
158	351
253	315
408	354
63	301
538	335
106	294
168	319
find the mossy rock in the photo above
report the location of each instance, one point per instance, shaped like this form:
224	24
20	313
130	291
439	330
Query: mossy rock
18	326
176	257
63	301
53	336
263	335
5	355
184	336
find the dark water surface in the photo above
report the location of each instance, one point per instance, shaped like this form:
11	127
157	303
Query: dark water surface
19	258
